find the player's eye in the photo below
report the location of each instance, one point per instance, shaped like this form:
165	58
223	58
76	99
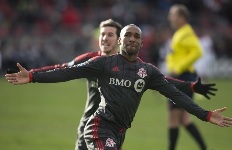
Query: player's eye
102	34
127	35
137	36
111	35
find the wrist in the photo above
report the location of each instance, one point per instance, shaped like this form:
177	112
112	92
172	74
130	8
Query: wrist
30	76
192	86
209	116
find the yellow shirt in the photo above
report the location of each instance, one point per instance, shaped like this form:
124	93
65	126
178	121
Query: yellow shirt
186	50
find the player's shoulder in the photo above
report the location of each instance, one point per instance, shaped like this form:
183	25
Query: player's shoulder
146	63
87	56
113	56
150	68
106	58
92	54
99	58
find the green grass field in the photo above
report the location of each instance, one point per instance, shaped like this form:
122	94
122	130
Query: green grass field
45	117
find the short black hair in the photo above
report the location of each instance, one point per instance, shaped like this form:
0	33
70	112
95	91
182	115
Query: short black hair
134	26
112	23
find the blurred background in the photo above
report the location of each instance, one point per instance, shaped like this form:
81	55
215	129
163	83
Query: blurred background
43	32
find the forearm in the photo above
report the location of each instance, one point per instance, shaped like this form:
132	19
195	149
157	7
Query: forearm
185	102
84	70
90	68
183	86
77	60
182	100
53	76
47	68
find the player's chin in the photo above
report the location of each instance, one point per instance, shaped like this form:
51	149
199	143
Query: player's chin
106	50
132	50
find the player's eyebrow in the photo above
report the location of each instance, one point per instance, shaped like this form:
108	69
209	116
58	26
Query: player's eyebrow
137	34
129	32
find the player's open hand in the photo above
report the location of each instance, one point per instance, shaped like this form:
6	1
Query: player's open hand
204	89
220	120
21	77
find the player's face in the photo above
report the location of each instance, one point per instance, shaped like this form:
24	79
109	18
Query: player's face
108	40
131	40
174	18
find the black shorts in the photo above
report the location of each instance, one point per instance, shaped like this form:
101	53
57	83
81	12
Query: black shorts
186	76
101	134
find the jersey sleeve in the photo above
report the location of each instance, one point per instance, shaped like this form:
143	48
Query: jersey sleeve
160	84
46	68
90	68
183	86
77	60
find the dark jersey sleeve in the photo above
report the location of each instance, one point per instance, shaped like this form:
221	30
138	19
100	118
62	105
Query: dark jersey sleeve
183	86
90	68
79	59
159	83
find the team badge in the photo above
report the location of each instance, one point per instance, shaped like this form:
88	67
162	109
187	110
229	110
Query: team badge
142	73
139	85
110	142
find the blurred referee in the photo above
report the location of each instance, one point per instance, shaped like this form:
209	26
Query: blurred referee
185	51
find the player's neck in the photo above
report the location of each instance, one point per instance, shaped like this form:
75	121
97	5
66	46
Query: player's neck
129	57
112	52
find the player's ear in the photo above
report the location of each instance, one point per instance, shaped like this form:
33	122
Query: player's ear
119	41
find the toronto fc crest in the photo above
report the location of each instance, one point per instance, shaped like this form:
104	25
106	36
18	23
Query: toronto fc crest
142	73
110	143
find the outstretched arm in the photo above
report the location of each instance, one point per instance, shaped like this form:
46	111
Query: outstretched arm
214	117
197	87
79	59
167	89
90	68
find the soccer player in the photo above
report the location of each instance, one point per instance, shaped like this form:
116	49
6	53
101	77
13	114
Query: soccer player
122	80
108	37
185	51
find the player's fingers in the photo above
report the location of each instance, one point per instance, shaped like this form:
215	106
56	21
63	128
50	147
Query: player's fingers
222	109
10	78
227	122
221	125
16	83
211	84
10	81
228	119
211	93
20	67
10	75
207	96
213	89
13	81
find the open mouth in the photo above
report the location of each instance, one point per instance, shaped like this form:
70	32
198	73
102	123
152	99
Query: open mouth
131	45
105	45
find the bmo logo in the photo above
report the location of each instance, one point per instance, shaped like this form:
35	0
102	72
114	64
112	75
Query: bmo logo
138	86
126	83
